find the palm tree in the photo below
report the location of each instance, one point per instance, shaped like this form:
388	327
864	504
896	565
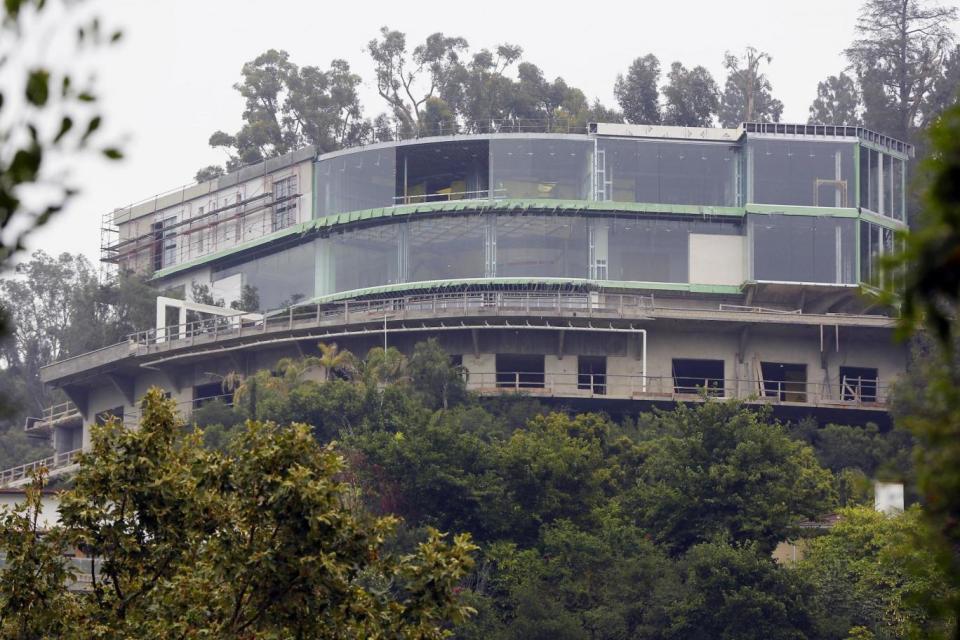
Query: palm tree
336	362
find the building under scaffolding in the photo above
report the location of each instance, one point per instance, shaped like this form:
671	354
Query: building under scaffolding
619	267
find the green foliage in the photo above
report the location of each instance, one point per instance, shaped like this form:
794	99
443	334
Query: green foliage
873	572
837	102
42	105
722	470
898	57
746	95
637	93
289	107
738	593
691	97
258	541
441	384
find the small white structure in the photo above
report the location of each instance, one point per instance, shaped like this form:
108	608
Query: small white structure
888	497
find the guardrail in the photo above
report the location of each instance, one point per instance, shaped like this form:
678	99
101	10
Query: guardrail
51	416
853	393
431	305
51	463
482	194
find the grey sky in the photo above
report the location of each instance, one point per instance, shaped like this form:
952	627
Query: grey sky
169	85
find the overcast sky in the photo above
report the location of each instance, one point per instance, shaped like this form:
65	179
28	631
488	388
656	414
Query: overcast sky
168	86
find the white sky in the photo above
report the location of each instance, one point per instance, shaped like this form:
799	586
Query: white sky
168	86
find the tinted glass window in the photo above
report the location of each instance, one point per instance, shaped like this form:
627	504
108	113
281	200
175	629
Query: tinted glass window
356	181
669	172
803	249
803	173
541	168
278	279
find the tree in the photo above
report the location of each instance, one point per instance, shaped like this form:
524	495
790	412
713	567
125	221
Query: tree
255	542
435	377
837	102
930	274
408	81
210	172
946	88
691	97
288	107
746	95
872	573
897	57
733	591
48	118
637	93
720	469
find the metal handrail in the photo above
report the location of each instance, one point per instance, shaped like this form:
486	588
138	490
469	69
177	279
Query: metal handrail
617	305
51	415
56	461
454	196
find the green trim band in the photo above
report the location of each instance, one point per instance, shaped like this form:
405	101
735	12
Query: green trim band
883	221
579	282
794	210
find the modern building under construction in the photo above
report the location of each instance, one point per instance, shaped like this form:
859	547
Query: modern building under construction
618	267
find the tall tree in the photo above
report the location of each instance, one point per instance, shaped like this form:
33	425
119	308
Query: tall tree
288	107
691	97
637	92
837	102
946	88
897	57
746	95
407	80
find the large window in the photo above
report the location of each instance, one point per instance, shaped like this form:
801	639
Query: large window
358	258
284	203
278	279
449	248
875	242
550	168
356	181
789	248
801	172
646	250
541	246
881	183
668	172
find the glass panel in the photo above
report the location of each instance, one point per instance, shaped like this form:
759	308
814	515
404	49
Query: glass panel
896	189
446	248
437	172
541	168
804	173
357	259
278	279
356	181
548	247
803	249
669	172
875	251
873	200
648	250
865	264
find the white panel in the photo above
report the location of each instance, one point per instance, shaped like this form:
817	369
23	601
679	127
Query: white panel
227	289
716	259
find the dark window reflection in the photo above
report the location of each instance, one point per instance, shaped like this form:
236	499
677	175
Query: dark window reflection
669	172
278	279
541	246
803	173
356	181
803	249
445	248
541	168
357	259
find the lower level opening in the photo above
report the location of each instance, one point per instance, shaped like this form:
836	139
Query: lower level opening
694	376
785	381
858	384
520	371
204	393
592	374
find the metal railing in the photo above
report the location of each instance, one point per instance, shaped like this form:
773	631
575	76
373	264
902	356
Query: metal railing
414	306
452	196
425	306
677	388
52	416
51	463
